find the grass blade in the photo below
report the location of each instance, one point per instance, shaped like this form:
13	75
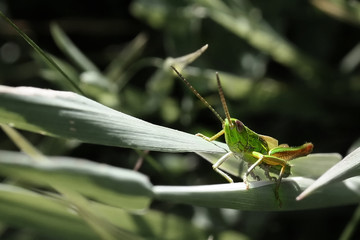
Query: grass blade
23	144
260	196
311	166
69	115
115	186
346	168
132	190
52	218
258	33
48	59
69	48
47	216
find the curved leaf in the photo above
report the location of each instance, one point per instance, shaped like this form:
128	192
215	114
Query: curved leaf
311	166
52	218
69	115
346	168
115	186
260	196
71	50
41	52
47	216
128	189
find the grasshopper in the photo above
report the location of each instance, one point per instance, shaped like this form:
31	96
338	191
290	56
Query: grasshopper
256	149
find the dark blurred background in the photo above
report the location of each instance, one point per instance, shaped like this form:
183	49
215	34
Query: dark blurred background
290	69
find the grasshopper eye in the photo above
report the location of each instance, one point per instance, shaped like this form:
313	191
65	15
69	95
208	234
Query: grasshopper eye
239	125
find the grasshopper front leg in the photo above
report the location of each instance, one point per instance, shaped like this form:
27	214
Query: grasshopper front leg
211	138
216	166
251	168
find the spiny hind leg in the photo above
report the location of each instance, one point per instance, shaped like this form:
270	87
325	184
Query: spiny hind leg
253	175
279	181
274	161
271	161
216	166
267	173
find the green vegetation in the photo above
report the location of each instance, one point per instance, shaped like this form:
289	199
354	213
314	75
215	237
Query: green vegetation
98	135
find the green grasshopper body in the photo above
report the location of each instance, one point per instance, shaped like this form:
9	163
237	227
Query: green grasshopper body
255	149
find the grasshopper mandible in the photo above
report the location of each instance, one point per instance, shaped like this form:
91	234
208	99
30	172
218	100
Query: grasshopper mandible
257	150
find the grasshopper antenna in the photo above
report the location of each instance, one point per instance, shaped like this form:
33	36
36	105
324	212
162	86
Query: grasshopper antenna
198	95
222	98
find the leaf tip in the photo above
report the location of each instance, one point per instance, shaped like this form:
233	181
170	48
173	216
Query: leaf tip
302	195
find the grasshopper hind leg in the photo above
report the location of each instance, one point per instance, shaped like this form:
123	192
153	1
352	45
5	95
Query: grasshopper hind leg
253	175
266	169
278	181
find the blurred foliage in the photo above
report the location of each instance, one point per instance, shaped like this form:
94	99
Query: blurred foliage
290	69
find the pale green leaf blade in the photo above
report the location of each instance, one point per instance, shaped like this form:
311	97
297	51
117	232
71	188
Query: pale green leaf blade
340	9
346	168
150	224
314	165
260	196
311	166
125	57
115	186
46	216
69	115
260	34
52	218
69	48
108	188
41	52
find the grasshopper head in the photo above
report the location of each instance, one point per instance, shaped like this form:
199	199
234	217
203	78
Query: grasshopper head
241	139
236	135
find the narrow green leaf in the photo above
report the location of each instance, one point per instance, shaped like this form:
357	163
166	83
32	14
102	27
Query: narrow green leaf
47	216
346	168
51	74
23	143
260	196
314	165
311	166
182	61
150	224
257	32
69	48
115	186
340	9
47	58
71	198
352	225
50	217
82	207
69	115
129	189
124	58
